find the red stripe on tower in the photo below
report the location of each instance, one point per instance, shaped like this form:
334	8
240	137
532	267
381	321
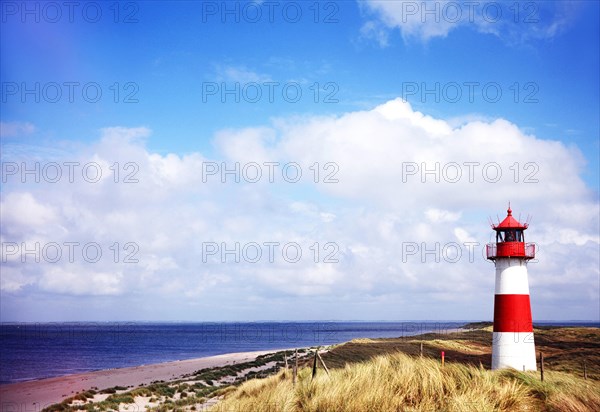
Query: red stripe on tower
512	313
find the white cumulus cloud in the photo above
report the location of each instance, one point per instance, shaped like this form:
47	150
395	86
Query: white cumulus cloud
425	20
385	196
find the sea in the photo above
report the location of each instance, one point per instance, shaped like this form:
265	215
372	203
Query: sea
30	351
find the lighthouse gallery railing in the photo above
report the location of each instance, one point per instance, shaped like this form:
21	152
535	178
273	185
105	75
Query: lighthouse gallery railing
510	249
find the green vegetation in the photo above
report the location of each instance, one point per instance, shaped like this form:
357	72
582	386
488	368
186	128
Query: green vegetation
180	394
477	325
114	389
398	382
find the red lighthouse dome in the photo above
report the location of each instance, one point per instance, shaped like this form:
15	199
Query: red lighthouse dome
510	240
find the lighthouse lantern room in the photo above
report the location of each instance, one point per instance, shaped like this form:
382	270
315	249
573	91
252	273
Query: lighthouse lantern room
513	344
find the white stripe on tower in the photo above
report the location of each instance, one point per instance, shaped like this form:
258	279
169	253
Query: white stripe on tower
511	277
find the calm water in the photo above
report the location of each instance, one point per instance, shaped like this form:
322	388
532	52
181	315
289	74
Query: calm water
40	350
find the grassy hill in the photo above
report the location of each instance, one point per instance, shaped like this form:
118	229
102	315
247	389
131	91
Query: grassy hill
564	348
389	375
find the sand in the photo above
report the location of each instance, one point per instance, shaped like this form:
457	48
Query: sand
35	395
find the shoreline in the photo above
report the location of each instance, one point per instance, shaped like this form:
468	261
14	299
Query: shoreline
326	337
34	395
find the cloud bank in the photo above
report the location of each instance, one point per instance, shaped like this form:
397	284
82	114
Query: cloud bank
388	208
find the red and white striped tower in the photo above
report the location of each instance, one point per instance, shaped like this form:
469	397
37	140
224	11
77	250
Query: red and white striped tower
513	345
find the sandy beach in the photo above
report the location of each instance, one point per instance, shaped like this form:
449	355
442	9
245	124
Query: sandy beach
36	395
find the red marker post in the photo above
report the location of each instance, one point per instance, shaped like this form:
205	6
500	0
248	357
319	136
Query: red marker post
443	356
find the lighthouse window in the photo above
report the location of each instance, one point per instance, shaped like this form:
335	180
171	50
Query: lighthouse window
510	236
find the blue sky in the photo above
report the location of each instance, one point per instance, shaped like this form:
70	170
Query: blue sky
353	62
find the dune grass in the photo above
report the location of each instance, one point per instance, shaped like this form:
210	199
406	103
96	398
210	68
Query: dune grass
399	382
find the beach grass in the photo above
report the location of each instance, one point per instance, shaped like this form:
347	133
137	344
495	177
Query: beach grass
400	382
391	375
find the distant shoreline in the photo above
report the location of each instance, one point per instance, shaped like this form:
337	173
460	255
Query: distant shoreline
40	393
49	350
37	394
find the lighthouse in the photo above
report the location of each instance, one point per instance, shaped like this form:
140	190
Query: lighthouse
513	345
